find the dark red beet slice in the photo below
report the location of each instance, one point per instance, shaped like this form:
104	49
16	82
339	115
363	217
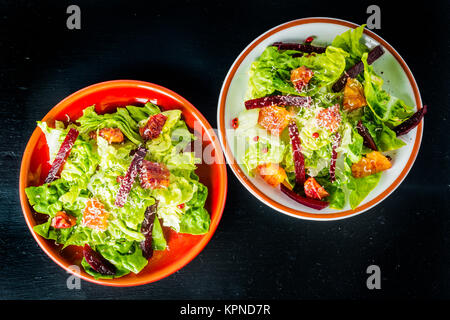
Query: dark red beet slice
278	101
368	140
312	203
299	161
409	124
146	230
153	175
62	155
97	262
307	48
353	72
334	146
132	172
153	127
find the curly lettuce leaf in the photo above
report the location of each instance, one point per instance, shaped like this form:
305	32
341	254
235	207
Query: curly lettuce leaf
141	113
91	121
46	198
195	221
271	73
124	255
360	187
351	42
54	137
385	107
267	149
384	137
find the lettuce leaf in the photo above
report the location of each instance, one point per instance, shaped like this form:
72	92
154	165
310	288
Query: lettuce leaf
272	71
45	198
351	42
91	121
384	137
385	107
141	113
273	147
54	137
360	187
124	255
195	221
158	240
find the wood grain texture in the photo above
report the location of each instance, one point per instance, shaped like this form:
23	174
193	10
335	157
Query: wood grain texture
256	252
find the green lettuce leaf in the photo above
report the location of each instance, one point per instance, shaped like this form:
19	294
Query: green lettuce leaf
141	113
158	240
384	137
385	107
271	73
45	198
54	137
360	187
195	221
351	42
126	256
91	121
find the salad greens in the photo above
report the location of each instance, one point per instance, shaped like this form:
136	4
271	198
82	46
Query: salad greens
335	168
93	170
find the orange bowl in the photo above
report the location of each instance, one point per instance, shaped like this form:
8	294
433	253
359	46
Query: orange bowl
106	97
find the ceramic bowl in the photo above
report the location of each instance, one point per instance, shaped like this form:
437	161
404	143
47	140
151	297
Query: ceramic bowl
398	81
107	96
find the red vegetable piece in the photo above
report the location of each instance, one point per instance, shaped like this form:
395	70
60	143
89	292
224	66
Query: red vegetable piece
307	48
132	172
62	220
409	124
309	40
153	127
98	262
235	123
314	190
335	144
299	161
311	203
364	132
154	175
278	101
354	71
146	230
62	155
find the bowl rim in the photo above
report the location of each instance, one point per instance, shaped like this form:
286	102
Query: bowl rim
177	264
342	214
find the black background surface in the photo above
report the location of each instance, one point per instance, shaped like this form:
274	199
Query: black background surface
256	252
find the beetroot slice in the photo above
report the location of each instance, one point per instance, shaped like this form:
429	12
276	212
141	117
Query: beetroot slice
334	146
409	124
132	172
299	161
62	155
312	203
353	72
153	127
307	48
368	140
278	101
98	262
146	230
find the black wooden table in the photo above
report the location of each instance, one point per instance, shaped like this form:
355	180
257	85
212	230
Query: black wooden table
256	252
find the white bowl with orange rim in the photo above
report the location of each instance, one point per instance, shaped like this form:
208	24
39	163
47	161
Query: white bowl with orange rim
398	81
